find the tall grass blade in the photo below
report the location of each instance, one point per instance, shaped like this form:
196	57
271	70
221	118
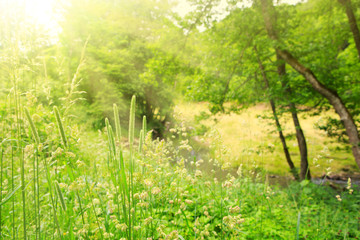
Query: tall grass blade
117	123
111	140
131	146
60	126
60	195
144	127
32	126
10	195
132	123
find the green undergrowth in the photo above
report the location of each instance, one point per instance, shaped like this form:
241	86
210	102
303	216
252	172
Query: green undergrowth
62	181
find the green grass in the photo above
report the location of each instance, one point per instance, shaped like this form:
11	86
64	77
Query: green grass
79	184
250	139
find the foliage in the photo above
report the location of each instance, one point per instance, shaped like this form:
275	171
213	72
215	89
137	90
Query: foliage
123	57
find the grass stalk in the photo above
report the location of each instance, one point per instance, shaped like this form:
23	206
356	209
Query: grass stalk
94	209
121	176
131	143
112	148
52	197
23	194
144	127
117	123
35	202
60	127
13	189
36	171
60	195
38	195
32	126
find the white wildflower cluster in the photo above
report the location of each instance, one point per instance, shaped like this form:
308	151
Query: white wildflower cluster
348	187
338	197
233	221
77	185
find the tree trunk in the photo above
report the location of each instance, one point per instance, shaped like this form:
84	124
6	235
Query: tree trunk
329	94
352	22
304	164
277	122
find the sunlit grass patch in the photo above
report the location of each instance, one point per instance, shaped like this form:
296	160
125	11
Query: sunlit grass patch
251	138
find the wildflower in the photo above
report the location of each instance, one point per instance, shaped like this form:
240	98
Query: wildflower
40	147
198	173
57	152
173	235
338	198
235	209
29	149
148	182
188	201
182	206
122	227
205	233
74	187
241	220
98	211
96	201
226	219
80	163
144	195
348	183
227	184
155	190
171	201
148	220
70	154
142	204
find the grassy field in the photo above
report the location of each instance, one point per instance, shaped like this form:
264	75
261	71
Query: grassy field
251	140
61	180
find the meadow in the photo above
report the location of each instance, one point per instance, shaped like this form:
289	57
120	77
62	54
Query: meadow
250	136
60	180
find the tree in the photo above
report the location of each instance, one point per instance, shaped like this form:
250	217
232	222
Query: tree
352	22
330	94
123	57
233	69
276	118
